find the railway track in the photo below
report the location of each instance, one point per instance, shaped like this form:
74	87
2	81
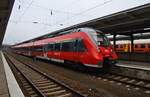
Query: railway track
129	81
38	84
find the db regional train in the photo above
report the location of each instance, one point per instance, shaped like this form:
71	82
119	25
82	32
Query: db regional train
140	46
86	46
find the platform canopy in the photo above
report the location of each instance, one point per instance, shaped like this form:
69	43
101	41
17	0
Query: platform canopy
131	21
5	10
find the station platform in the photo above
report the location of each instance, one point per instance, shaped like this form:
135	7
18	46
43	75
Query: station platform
8	83
140	70
134	65
4	92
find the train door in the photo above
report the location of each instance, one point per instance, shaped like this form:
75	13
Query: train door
75	55
45	49
68	50
57	48
80	50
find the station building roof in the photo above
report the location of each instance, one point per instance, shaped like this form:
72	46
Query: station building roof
5	10
131	21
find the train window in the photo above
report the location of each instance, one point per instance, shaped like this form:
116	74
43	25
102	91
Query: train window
45	47
57	46
121	46
50	47
148	45
136	46
72	45
81	46
38	48
116	46
65	46
32	49
68	46
142	45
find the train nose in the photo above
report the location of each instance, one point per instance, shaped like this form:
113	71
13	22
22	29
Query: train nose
106	53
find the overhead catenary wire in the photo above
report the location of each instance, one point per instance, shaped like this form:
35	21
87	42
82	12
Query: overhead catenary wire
52	11
80	13
25	11
71	3
30	4
30	22
49	9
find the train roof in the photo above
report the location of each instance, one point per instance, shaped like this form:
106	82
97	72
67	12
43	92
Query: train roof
59	33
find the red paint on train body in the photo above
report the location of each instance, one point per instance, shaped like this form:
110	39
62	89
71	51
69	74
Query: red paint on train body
84	45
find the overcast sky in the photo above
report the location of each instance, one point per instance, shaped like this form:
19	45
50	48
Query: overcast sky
32	18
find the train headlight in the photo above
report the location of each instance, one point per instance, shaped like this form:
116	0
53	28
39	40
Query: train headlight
98	49
111	50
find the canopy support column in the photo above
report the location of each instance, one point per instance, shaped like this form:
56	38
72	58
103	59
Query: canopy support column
132	42
114	42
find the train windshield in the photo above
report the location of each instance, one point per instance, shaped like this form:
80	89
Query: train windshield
97	36
102	40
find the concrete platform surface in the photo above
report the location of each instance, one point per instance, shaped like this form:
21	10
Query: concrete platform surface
134	65
4	92
138	70
8	84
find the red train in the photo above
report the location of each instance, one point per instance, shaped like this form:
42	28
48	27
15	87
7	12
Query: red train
86	46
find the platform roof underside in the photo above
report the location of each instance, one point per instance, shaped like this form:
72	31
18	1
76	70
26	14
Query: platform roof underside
5	10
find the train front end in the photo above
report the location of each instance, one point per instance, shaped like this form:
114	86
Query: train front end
105	51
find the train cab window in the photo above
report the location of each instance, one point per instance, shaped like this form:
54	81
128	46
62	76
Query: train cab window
142	45
81	46
57	46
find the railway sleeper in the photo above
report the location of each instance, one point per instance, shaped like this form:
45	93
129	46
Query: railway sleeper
131	81
51	89
27	86
35	78
41	82
140	83
147	85
44	79
31	92
124	79
34	95
51	86
117	77
29	89
55	93
65	95
44	84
